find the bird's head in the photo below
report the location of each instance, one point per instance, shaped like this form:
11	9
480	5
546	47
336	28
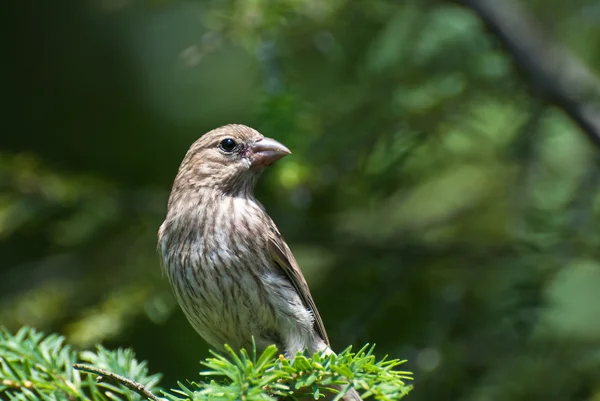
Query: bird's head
229	159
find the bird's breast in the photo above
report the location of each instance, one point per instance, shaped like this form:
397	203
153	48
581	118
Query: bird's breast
219	267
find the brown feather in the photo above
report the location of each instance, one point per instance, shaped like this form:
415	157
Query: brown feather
282	255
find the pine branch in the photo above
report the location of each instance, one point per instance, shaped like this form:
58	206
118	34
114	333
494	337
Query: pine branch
270	377
104	374
38	367
34	366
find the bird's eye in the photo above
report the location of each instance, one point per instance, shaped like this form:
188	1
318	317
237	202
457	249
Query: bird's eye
227	145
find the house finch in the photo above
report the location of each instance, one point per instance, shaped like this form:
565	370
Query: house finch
230	269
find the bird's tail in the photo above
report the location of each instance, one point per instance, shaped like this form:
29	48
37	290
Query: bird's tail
352	394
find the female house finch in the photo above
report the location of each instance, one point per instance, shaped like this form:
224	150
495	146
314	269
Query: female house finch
230	269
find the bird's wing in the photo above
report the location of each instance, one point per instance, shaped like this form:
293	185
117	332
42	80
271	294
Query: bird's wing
284	258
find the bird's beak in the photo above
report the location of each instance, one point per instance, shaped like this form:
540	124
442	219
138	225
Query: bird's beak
267	151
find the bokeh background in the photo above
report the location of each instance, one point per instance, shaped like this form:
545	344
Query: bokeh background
439	206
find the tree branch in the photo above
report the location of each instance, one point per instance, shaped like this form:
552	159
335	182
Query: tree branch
104	374
558	74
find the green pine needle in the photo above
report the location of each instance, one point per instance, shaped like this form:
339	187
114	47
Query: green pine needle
34	366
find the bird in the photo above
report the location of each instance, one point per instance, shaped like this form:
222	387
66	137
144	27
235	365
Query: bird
230	269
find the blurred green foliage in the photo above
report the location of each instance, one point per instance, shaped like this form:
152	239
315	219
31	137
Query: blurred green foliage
437	206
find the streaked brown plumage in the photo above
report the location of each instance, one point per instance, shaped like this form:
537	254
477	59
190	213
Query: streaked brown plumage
230	269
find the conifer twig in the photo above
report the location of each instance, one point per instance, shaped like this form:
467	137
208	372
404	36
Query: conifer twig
130	384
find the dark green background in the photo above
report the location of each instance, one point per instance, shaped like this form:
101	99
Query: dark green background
438	207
